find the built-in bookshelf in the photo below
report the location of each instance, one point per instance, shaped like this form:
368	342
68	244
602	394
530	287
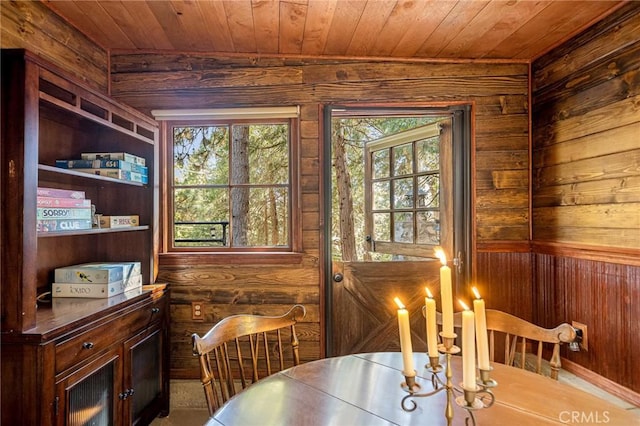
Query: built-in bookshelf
52	117
51	347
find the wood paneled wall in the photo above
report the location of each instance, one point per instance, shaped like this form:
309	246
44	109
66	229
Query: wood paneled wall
504	280
586	138
586	185
498	93
586	193
31	25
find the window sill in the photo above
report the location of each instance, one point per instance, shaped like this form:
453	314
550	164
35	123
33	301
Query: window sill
229	258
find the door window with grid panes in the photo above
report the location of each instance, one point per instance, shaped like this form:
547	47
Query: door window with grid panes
408	183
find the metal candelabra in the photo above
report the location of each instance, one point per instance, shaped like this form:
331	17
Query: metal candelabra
469	399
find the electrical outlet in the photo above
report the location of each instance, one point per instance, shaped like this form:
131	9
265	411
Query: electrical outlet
584	345
197	311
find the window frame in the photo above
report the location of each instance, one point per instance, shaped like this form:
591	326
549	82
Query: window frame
441	129
294	244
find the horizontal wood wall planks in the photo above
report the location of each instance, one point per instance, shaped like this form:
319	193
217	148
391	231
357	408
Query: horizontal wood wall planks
31	25
497	92
586	143
586	194
226	290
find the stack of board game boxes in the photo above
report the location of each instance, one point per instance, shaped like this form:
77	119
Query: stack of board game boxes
117	165
96	280
62	210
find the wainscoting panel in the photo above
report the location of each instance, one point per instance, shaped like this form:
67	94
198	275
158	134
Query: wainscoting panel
605	297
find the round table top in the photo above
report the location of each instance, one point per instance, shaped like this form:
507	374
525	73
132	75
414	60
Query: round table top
365	389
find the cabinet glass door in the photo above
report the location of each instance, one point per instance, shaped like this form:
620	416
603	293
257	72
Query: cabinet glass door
90	401
89	396
143	374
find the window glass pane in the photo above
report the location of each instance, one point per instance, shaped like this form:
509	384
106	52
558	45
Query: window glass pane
263	220
429	191
428	155
402	160
403	227
382	227
268	152
381	195
428	223
403	193
201	217
380	166
231	185
200	155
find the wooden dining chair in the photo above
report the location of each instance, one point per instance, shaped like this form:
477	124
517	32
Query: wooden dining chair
241	349
520	338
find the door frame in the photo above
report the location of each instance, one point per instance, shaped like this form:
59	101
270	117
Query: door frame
462	197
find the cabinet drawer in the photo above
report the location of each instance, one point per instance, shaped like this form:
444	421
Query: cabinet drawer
80	347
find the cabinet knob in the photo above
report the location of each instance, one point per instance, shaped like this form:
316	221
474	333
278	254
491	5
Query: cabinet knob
87	345
155	310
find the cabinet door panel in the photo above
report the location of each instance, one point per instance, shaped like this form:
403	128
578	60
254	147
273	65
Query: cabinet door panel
144	375
92	395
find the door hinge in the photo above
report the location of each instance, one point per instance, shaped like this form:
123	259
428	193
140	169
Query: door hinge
56	402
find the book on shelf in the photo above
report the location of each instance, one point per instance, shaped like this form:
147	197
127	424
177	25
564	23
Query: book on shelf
63	202
117	174
60	193
102	164
97	272
54	225
113	156
119	221
96	290
63	212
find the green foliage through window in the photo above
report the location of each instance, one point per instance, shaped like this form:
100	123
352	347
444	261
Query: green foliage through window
349	137
231	185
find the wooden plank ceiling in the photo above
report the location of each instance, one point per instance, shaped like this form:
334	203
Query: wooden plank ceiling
435	29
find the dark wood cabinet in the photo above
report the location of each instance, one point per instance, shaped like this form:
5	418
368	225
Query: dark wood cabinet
120	382
72	359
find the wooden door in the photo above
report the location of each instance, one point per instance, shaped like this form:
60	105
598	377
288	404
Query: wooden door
362	285
364	316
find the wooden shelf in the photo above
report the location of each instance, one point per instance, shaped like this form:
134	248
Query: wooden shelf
67	176
91	231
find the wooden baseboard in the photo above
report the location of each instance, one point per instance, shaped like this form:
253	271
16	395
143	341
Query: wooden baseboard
603	383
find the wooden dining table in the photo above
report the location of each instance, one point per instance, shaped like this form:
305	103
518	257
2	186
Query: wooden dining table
365	389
